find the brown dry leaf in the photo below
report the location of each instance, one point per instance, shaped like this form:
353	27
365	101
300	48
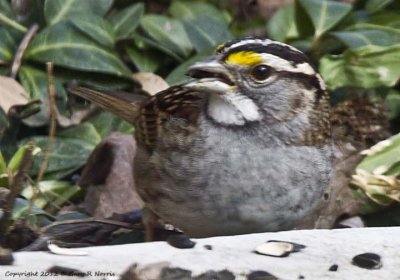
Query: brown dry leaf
151	83
11	93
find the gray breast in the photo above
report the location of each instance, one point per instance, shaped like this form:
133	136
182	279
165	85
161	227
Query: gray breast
223	183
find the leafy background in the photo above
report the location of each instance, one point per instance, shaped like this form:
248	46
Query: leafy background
355	46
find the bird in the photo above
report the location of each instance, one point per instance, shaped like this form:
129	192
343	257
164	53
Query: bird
243	147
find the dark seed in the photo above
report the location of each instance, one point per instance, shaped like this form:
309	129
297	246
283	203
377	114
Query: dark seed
260	275
6	257
175	274
302	277
216	275
62	270
334	267
208	247
368	260
180	241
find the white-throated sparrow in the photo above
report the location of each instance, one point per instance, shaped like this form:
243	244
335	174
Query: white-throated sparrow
244	147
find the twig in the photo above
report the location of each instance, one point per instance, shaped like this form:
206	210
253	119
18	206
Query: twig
52	132
15	189
53	116
91	220
16	64
12	23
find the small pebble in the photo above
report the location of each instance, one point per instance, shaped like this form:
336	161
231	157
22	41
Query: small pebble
180	241
6	257
334	267
261	275
296	246
275	249
368	260
208	247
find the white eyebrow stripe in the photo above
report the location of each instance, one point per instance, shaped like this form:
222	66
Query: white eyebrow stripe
264	42
281	64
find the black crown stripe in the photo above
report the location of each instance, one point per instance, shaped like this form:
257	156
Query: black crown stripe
278	50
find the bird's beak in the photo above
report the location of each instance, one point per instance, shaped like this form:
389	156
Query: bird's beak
210	76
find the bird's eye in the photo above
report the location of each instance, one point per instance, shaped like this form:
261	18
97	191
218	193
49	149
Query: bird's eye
261	72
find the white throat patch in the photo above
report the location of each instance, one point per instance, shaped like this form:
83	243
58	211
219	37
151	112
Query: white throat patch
232	109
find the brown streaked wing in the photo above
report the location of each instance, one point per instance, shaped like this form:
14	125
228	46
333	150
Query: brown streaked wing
177	102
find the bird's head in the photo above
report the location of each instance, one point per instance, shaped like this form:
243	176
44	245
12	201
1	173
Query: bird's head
254	79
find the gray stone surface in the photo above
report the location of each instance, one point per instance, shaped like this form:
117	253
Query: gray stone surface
235	253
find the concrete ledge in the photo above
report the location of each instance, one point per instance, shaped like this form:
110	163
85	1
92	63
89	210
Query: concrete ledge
235	253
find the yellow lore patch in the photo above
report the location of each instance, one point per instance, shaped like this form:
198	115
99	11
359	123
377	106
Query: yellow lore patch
244	58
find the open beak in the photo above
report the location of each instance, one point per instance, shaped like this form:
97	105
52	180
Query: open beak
210	76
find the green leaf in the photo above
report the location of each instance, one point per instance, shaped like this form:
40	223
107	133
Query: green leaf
148	42
168	32
84	131
144	60
7	45
3	165
96	28
206	33
177	76
392	102
374	6
127	20
15	161
56	11
65	153
106	122
52	193
22	210
359	38
35	82
325	14
386	18
368	67
282	26
63	45
6	9
188	11
384	157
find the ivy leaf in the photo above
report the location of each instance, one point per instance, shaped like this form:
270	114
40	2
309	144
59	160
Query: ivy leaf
325	14
177	76
145	61
52	193
6	9
387	154
205	33
368	67
374	6
63	45
35	82
187	11
167	32
127	20
96	28
56	11
374	36
392	102
106	122
7	45
282	25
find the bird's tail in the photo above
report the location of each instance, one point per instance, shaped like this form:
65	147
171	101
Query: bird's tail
123	104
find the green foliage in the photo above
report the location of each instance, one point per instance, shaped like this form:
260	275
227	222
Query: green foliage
102	42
